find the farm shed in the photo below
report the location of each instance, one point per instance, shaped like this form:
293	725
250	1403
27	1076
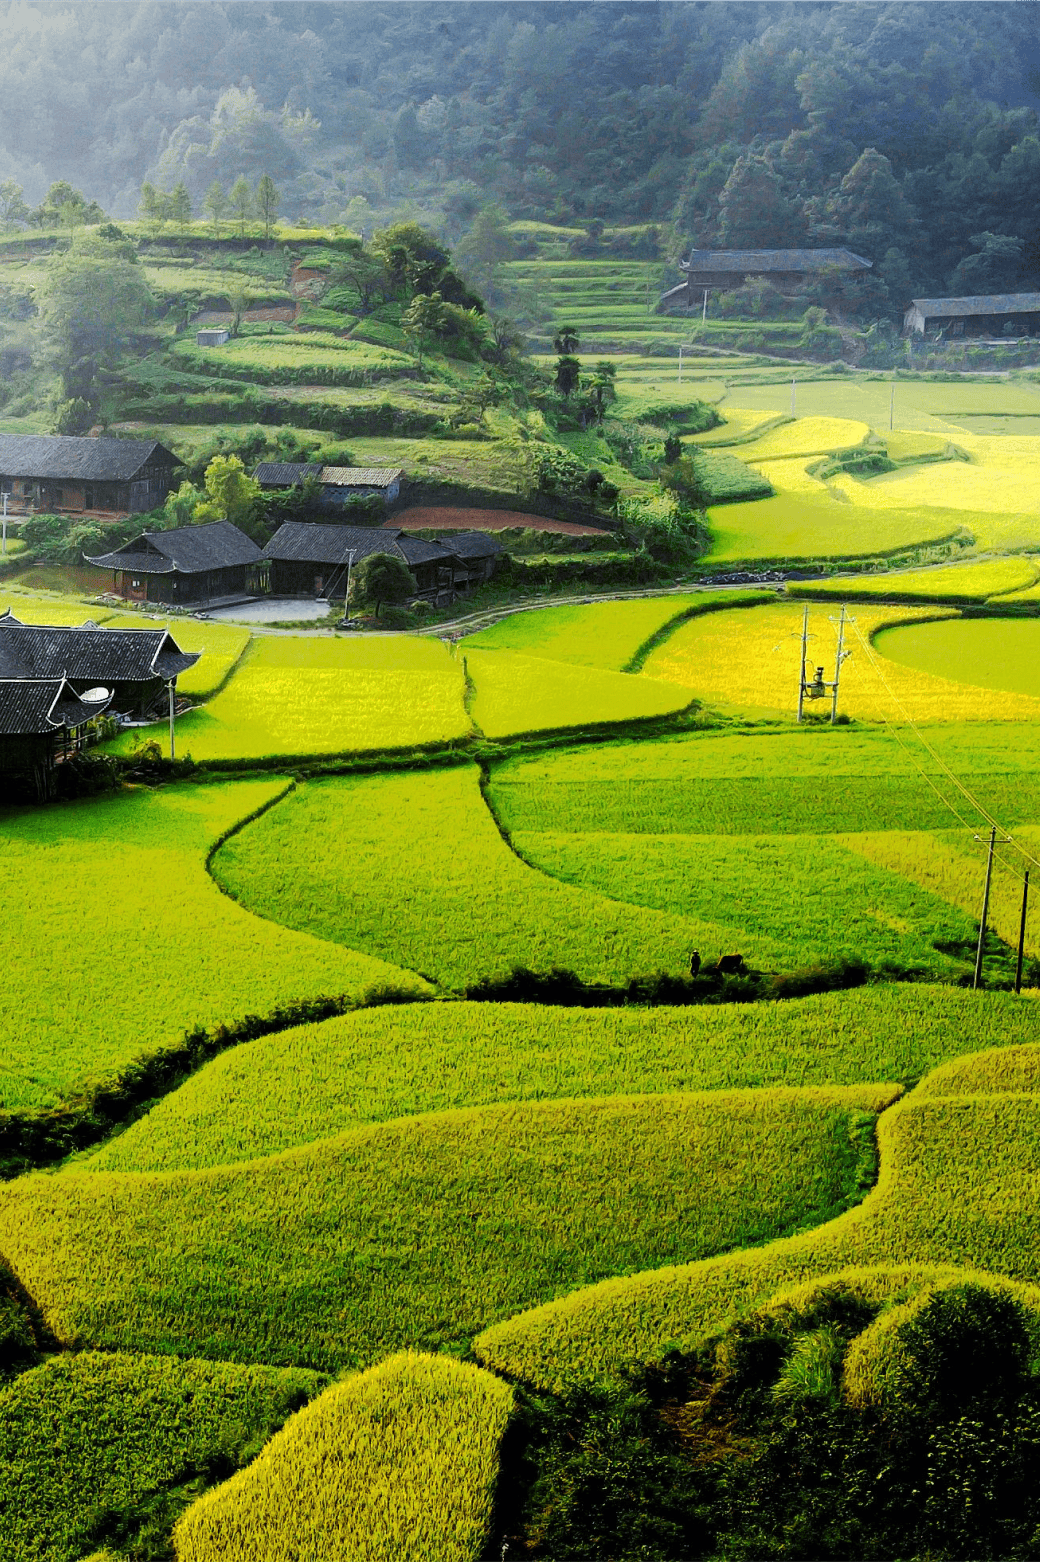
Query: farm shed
787	270
984	314
310	558
61	473
134	665
478	553
212	336
337	484
42	722
193	565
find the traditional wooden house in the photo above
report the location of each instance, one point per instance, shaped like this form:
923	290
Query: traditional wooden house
788	270
196	565
985	314
336	484
135	666
478	553
59	474
43	721
310	558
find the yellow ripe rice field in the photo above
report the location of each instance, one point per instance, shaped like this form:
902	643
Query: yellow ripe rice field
424	1230
405	1452
527	694
750	660
307	696
315	1081
974	581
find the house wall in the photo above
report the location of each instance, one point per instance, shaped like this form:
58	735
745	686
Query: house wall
76	496
178	588
335	494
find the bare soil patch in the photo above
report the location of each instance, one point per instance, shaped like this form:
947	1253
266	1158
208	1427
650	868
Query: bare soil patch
445	518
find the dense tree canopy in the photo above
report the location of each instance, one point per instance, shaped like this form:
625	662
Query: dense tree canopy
856	123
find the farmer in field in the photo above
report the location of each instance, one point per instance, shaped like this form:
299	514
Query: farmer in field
695	962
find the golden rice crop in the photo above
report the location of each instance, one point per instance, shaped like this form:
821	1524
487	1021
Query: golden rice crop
596	634
794	525
414	864
323	696
953	864
424	1230
750	659
398	1463
956	1174
318	1080
115	889
810	436
970	582
529	694
995	1070
87	1435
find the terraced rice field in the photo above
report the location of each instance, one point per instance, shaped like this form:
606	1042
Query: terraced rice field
420	1232
139	862
292	696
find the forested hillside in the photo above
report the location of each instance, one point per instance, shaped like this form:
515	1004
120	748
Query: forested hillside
914	142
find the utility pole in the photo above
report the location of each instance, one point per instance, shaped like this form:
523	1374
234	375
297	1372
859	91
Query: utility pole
172	686
792	395
1022	934
346	594
801	664
704	307
977	978
839	658
5	523
892	403
680	363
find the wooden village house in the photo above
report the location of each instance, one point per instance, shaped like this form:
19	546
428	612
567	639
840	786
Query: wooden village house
192	565
61	474
335	484
56	681
985	315
788	270
310	558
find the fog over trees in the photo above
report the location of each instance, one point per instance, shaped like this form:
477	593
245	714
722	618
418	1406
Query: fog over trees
908	132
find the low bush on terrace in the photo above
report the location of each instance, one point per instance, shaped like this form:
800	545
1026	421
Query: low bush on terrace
762	1443
401	1459
97	1448
425	1230
290	1089
157	949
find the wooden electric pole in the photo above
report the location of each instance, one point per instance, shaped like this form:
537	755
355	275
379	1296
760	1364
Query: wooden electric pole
977	978
1022	933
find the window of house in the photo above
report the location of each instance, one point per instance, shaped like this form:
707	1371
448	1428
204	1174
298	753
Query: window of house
134	581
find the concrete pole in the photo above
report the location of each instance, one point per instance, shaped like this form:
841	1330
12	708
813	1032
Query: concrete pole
837	665
801	665
1022	934
172	688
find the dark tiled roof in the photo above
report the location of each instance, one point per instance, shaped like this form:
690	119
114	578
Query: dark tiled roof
29	707
102	656
317	542
475	545
285	474
62	455
190	550
749	262
979	304
416	551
